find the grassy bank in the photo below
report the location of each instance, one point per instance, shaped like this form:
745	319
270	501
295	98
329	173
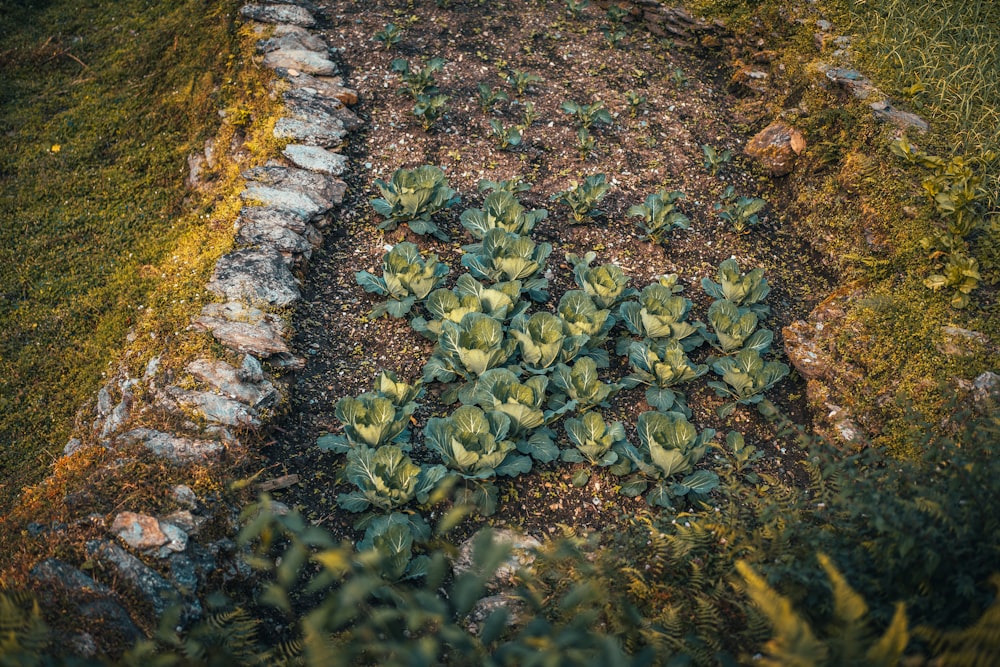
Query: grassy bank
100	105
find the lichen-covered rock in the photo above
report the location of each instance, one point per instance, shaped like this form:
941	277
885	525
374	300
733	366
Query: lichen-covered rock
521	556
292	37
308	194
958	342
227	380
776	147
290	245
307	104
326	86
175	449
316	158
139	531
303	60
884	110
278	13
254	275
214	408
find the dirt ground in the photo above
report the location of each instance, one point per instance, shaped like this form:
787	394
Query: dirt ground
688	103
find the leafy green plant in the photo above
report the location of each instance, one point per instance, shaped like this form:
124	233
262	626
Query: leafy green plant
670	446
745	378
475	444
849	639
582	198
743	456
581	316
503	255
960	276
614	35
634	101
389	36
616	15
528	116
512	185
661	365
406	278
504	137
420	81
386	479
745	290
595	442
501	301
579	387
714	160
733	329
544	340
587	114
429	108
659	313
370	420
659	215
520	81
576	7
679	78
467	349
606	284
500	390
959	196
501	210
413	196
585	143
489	97
400	392
740	212
390	538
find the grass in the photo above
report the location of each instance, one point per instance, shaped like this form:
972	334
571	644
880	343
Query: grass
100	105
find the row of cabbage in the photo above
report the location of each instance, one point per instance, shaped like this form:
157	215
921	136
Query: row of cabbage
516	370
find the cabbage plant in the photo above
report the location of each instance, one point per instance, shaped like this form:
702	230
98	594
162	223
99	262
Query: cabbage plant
413	196
524	403
406	278
745	378
386	479
595	442
734	329
661	365
500	210
579	387
606	284
475	444
746	290
370	420
466	350
543	339
582	198
501	301
659	215
659	313
389	539
581	316
670	446
503	255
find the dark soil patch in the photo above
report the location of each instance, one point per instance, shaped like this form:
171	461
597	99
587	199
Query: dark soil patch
660	147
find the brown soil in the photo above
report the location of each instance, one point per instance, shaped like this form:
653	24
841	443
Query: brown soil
658	148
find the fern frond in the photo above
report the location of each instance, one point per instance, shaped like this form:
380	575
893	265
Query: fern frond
975	646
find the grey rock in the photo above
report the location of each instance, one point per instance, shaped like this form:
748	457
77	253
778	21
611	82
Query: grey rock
316	158
58	574
307	193
183	494
307	104
279	217
824	25
177	539
183	574
325	86
215	408
290	246
139	531
72	447
226	379
292	37
250	370
328	134
111	617
174	448
104	401
852	80
256	276
904	119
986	392
234	311
959	342
184	520
149	584
263	339
486	606
521	556
83	644
303	60
152	368
119	415
278	13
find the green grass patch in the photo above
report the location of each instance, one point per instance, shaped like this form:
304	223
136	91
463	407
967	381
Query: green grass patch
100	105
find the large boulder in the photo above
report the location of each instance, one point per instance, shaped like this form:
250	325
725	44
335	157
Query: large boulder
776	147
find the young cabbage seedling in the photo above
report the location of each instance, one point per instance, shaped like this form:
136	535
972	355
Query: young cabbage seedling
587	114
489	97
520	81
389	36
715	159
582	198
504	137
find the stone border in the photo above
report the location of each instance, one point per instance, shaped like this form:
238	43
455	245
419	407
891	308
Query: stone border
286	204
